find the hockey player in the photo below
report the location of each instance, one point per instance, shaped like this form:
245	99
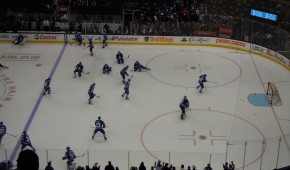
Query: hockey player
126	88
100	125
119	57
105	39
2	131
70	156
124	73
91	93
139	67
25	141
91	46
202	79
19	39
2	66
46	87
79	69
78	38
107	69
183	104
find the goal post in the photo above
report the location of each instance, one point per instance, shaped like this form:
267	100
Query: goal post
273	94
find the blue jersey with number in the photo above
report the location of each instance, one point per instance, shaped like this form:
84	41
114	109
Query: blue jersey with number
100	124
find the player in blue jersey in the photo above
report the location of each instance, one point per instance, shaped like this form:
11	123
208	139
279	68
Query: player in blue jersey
183	105
2	66
139	67
46	87
119	57
105	38
91	46
2	131
107	69
201	81
100	125
19	39
91	92
70	156
124	73
126	89
78	69
25	141
78	38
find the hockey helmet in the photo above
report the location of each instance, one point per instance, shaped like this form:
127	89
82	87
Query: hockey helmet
99	117
67	148
129	79
1	123
204	75
94	84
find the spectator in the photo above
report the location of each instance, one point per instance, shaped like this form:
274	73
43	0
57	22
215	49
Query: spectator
109	166
165	167
194	167
158	166
96	167
27	160
49	167
208	167
142	166
182	167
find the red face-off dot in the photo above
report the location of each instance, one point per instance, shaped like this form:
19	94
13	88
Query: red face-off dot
202	137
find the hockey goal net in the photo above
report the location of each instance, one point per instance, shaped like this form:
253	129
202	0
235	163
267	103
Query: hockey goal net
273	94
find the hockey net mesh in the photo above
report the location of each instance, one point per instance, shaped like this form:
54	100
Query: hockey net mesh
273	94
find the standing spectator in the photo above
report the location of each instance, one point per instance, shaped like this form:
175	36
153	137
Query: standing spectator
96	167
49	167
165	167
182	167
193	167
158	166
109	166
232	166
27	160
208	167
142	166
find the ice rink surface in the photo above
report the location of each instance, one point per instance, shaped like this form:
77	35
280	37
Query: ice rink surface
148	126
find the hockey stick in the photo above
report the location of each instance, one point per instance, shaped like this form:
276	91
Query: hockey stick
97	96
81	155
127	57
213	82
11	135
86	72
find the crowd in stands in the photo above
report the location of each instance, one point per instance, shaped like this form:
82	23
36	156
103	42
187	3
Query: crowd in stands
29	160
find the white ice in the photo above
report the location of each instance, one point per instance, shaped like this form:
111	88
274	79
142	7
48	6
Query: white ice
147	127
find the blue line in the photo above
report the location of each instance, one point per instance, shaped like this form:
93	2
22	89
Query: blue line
28	123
